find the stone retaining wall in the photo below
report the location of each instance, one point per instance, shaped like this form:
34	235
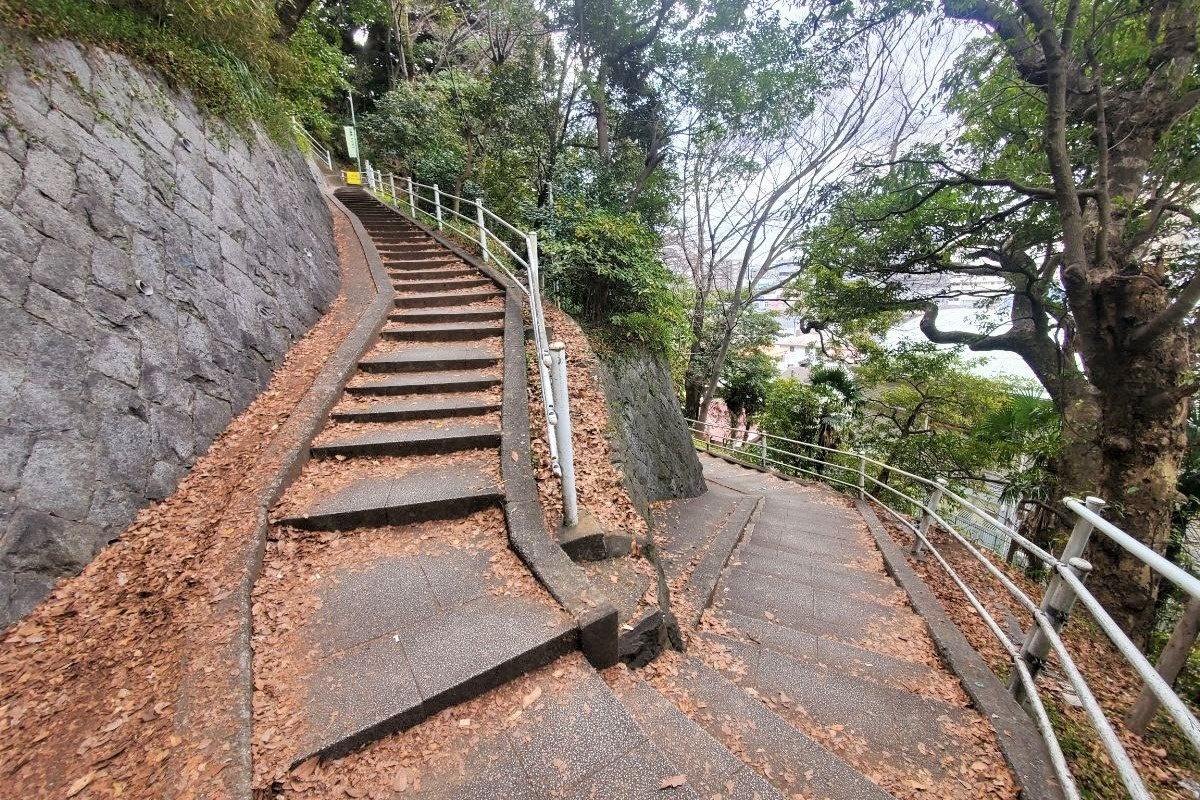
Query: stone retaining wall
154	268
651	443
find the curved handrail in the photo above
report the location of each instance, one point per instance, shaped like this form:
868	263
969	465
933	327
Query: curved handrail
1048	617
558	423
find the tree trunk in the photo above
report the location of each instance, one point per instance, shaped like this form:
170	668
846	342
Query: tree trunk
289	13
1124	437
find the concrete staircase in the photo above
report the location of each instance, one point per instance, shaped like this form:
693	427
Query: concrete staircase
807	678
415	440
822	680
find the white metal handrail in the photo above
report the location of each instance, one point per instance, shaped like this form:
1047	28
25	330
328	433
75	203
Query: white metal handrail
321	150
551	361
1049	617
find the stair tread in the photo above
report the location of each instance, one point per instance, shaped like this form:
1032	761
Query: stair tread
416	408
429	494
709	767
822	649
427	382
464	310
473	435
392	681
777	563
766	738
757	595
893	723
430	358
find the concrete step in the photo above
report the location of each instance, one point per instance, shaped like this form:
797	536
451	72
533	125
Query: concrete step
441	284
793	604
881	729
429	359
397	666
812	572
421	273
749	568
711	770
444	332
791	761
823	650
456	313
417	409
429	440
411	250
440	493
441	300
427	383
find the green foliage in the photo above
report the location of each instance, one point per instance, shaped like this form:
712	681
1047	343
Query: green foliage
925	411
223	53
745	381
794	410
606	270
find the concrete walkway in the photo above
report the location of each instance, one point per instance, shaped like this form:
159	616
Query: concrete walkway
808	625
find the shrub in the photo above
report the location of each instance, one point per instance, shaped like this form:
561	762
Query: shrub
605	269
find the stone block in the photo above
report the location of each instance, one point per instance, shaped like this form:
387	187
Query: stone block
118	357
43	543
61	268
112	268
174	436
29	589
123	450
211	415
15	446
10	180
57	477
18	325
164	477
51	173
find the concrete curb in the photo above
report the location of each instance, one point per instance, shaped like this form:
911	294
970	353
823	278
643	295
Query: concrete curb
289	448
1019	739
527	534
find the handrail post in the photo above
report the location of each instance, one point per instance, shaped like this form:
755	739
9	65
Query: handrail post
480	223
370	176
1036	644
392	181
764	449
1056	605
931	508
1081	533
862	477
437	205
562	432
412	200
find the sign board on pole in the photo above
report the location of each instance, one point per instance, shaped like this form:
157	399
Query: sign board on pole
351	141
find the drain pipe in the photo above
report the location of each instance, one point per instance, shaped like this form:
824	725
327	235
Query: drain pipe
562	432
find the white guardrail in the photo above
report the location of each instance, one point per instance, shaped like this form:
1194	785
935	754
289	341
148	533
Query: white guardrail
517	255
319	150
1069	571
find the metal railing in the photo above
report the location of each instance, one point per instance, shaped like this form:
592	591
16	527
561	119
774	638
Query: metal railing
318	149
1069	570
515	252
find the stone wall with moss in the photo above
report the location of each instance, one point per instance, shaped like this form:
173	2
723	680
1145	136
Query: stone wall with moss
154	269
652	446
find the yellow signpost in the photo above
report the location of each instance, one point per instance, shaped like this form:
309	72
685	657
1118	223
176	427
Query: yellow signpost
354	179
